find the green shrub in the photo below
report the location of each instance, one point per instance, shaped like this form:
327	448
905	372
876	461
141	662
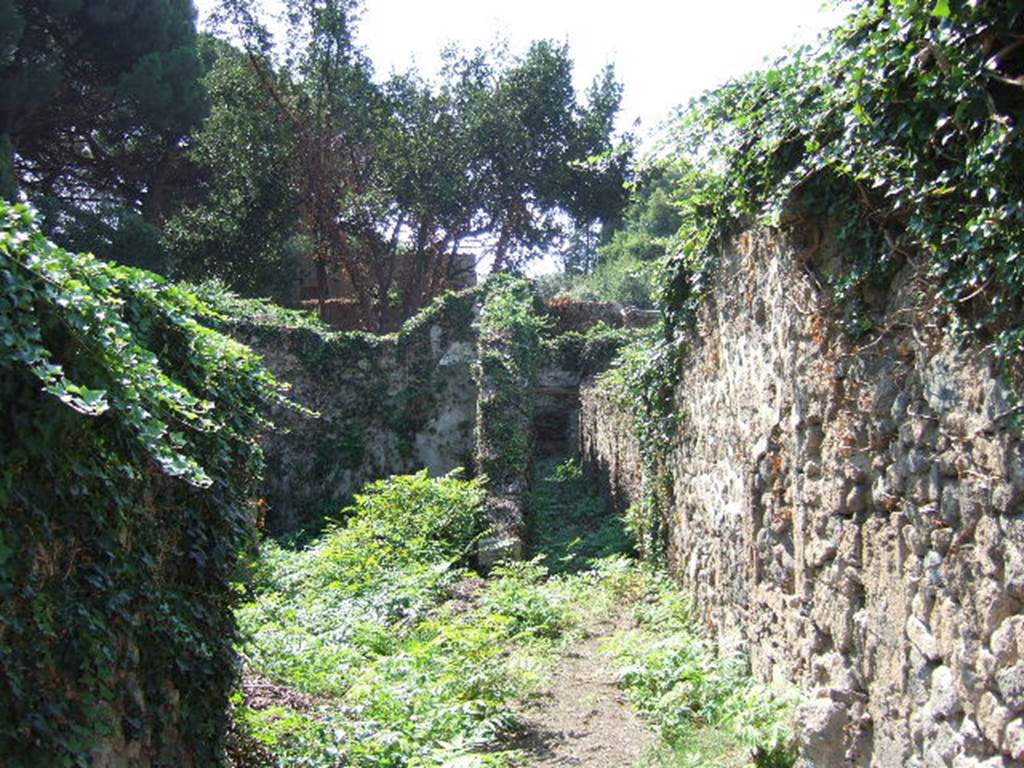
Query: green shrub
317	615
520	592
623	279
412	520
357	620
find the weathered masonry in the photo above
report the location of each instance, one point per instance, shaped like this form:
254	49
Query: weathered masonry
851	513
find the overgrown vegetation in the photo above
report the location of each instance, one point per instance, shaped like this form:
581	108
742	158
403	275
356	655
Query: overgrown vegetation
374	395
267	148
641	381
628	262
128	461
379	646
902	127
588	352
899	131
510	353
706	707
396	675
571	527
98	104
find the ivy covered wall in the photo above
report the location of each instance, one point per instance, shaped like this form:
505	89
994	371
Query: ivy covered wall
379	405
128	462
510	353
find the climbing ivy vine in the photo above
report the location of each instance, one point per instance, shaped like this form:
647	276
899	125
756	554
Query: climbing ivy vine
510	353
900	130
902	127
128	461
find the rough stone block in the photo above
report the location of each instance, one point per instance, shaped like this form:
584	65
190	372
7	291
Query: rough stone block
821	726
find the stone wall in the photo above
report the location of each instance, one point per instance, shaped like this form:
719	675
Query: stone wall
608	449
387	405
849	511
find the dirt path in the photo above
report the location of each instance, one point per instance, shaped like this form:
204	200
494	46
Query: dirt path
581	717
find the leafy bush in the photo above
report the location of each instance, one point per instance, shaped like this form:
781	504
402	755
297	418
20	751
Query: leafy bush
129	461
318	614
354	619
589	352
520	593
624	279
628	263
402	521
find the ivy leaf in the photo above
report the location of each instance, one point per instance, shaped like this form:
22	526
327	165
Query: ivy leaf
941	9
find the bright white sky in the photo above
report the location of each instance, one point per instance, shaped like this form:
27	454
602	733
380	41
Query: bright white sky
664	51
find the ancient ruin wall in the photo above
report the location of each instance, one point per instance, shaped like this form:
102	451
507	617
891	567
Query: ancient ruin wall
387	405
850	512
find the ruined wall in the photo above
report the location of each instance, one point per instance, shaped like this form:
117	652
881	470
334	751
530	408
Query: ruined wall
850	511
608	448
387	405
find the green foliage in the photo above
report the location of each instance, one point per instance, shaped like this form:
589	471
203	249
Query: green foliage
8	178
236	312
129	458
355	618
589	352
390	181
645	525
386	562
709	712
243	229
406	520
538	152
568	470
279	735
406	660
96	102
624	279
510	353
341	373
628	263
519	592
901	127
571	526
642	381
111	231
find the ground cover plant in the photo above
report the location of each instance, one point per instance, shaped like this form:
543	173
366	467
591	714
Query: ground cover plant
378	645
705	706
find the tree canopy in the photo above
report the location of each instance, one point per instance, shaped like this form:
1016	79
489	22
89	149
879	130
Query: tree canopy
395	186
96	96
97	100
144	142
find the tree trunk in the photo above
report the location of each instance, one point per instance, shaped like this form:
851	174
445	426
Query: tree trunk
155	201
8	180
321	287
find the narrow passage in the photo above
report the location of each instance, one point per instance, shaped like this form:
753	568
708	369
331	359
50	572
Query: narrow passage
582	716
